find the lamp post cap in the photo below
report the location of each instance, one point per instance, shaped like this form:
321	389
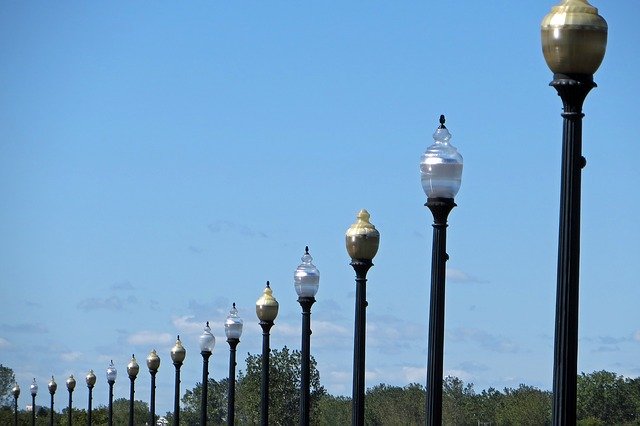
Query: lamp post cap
306	276
16	390
207	340
153	361
574	38
178	352
34	387
112	373
53	386
91	378
362	238
71	383
233	324
133	368
267	305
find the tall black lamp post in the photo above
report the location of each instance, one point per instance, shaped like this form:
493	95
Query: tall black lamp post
207	343
34	391
15	391
233	331
441	173
112	373
71	385
362	241
178	354
574	40
133	368
306	281
153	363
91	382
267	311
52	386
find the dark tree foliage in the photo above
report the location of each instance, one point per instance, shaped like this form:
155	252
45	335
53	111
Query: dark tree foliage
7	380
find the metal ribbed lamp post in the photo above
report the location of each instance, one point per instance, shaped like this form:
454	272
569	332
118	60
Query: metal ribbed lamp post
153	363
233	331
34	391
91	382
207	343
267	311
71	385
574	40
133	368
112	374
178	354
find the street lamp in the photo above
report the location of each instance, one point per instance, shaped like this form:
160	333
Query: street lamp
153	363
34	391
574	40
132	370
16	393
207	343
112	373
52	386
362	241
178	354
91	382
267	311
306	281
233	330
71	385
440	173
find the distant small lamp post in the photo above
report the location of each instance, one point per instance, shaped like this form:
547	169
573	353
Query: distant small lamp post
574	41
362	241
15	391
91	382
71	385
207	343
112	373
53	386
441	175
34	391
178	354
306	281
133	368
233	331
267	311
153	363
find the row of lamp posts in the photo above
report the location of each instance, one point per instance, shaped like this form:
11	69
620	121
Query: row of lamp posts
574	38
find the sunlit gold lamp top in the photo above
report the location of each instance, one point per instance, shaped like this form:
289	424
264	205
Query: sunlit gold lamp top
178	352
574	38
267	305
362	238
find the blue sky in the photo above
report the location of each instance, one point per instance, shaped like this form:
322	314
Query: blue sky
160	161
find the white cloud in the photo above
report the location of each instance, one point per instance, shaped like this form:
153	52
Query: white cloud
458	276
415	374
460	374
185	324
149	338
71	356
4	343
636	336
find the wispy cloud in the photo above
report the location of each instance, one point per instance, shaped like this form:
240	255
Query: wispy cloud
70	356
195	250
459	276
187	325
122	286
149	338
4	343
225	226
24	328
636	336
112	303
483	339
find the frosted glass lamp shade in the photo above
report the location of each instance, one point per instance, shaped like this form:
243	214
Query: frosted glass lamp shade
441	166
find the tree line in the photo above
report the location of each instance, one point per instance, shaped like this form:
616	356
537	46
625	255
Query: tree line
603	398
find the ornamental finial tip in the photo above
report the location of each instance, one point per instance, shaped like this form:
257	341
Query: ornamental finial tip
442	120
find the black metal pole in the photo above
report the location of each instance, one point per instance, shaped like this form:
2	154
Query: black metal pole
111	382
176	398
205	386
15	410
33	410
70	407
264	384
305	376
361	267
572	90
51	412
89	406
231	395
440	208
152	404
132	379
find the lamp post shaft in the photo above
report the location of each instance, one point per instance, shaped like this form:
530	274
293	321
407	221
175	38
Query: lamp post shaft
231	395
111	382
33	410
305	376
205	386
573	91
132	379
361	267
152	403
51	411
15	411
176	398
89	406
70	407
440	208
264	383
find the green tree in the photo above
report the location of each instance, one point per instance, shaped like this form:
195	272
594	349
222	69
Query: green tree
525	405
333	410
7	380
607	397
457	402
387	405
216	404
